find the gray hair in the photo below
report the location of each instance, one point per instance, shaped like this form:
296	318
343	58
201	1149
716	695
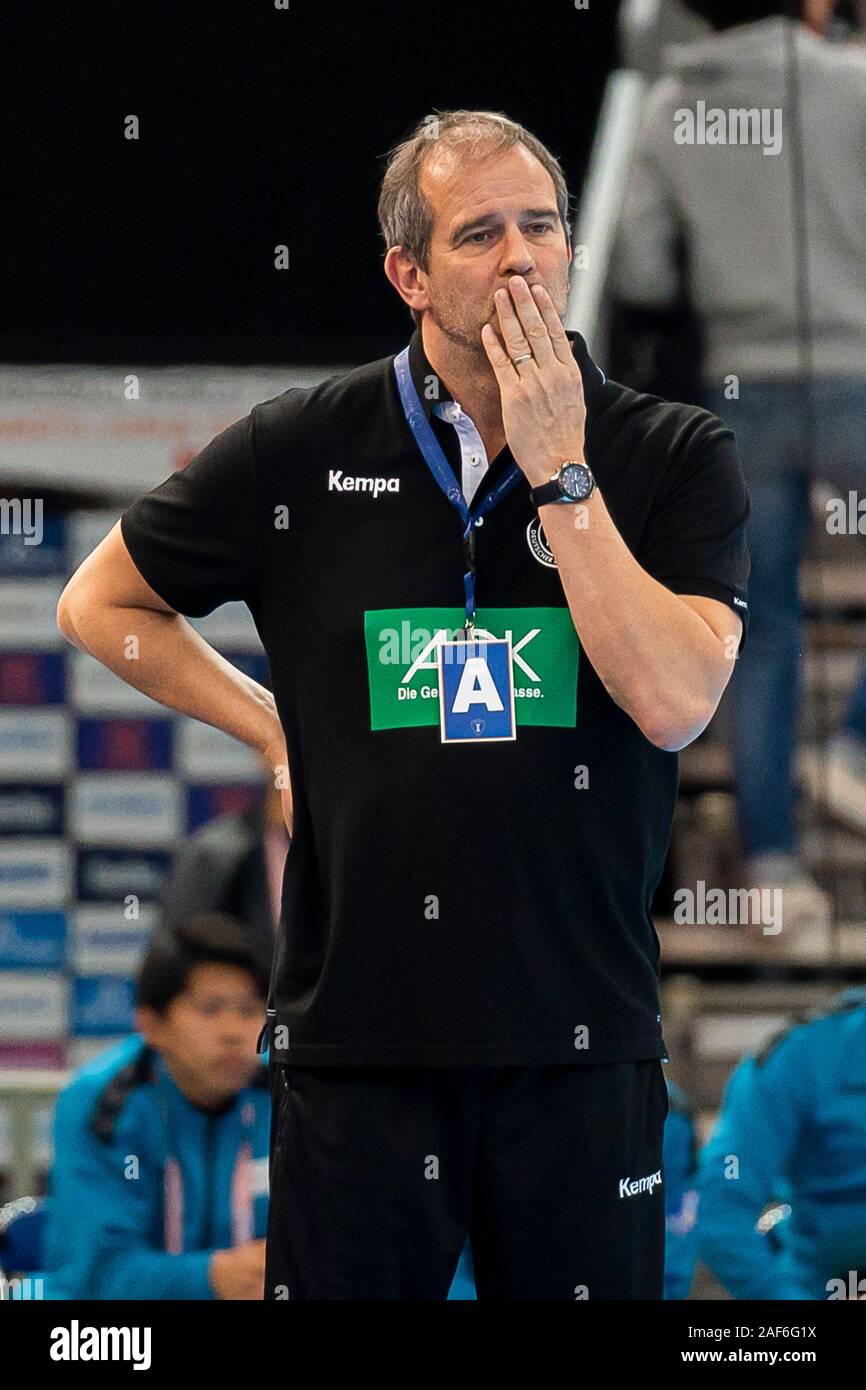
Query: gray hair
405	215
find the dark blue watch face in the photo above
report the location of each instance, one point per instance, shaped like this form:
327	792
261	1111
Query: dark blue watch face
576	480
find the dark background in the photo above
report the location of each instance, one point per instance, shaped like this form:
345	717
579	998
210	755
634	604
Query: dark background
257	127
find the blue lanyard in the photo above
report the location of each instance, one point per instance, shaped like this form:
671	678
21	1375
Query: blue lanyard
443	473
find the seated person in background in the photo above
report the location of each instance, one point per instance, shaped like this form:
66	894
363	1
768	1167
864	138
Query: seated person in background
792	1129
233	864
680	1180
158	1188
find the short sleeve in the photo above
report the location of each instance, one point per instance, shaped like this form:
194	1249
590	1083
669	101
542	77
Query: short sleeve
192	539
695	539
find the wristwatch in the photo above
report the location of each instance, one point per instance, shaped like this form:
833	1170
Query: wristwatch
572	482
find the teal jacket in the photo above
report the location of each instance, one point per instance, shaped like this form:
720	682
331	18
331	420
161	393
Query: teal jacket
145	1186
791	1132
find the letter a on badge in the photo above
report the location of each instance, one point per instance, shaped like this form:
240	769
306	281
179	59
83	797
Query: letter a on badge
477	687
476	691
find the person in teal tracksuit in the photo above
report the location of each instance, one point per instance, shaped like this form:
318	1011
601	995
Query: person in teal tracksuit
159	1182
680	1206
681	1198
792	1131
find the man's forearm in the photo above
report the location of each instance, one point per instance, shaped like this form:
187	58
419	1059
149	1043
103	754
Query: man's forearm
657	658
162	655
661	661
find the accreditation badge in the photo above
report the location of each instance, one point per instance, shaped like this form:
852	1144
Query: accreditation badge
476	691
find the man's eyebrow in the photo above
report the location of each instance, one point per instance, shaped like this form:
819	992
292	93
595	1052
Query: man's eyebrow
479	223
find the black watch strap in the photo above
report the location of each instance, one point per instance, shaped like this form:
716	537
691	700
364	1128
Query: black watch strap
547	492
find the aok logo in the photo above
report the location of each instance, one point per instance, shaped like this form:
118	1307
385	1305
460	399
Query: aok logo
428	656
402	662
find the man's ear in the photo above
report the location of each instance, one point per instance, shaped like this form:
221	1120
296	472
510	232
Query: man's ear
402	271
149	1024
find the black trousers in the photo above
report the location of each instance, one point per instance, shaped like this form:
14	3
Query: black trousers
379	1174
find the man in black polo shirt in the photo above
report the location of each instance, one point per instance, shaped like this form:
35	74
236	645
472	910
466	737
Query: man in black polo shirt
464	1024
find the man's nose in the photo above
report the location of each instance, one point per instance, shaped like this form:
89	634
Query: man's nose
517	257
233	1025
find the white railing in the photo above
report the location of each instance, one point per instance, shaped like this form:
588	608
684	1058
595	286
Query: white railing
646	27
22	1094
602	199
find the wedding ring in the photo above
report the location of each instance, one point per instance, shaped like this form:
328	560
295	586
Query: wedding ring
525	358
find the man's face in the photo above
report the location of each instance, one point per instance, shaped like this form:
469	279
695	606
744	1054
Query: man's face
492	220
208	1034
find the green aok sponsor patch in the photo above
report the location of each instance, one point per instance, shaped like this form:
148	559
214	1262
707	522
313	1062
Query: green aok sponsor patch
403	668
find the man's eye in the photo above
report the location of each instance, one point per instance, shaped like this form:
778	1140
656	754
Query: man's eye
536	227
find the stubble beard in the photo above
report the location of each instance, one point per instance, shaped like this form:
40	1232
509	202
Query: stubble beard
465	332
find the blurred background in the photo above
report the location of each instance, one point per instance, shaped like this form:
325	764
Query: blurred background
143	312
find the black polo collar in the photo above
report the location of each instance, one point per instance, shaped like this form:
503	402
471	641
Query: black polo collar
593	377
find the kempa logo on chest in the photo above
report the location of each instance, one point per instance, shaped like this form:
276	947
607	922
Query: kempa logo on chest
338	481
